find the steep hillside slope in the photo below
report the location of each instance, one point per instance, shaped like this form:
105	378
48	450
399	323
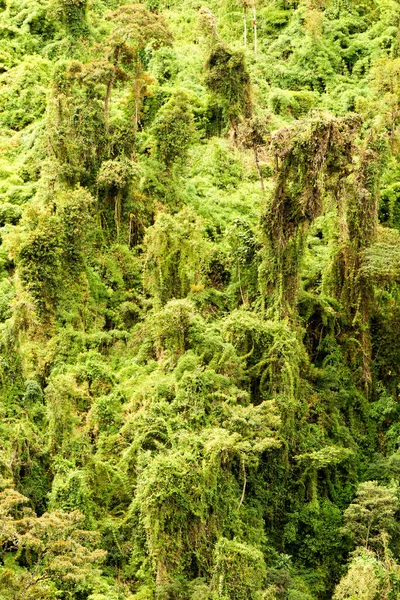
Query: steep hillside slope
199	300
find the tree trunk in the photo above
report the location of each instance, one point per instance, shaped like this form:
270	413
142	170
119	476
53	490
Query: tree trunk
244	484
131	225
245	26
110	87
258	169
161	576
107	100
255	28
117	213
136	122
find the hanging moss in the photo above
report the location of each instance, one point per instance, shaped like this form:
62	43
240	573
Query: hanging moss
358	212
175	255
232	558
227	77
210	388
309	157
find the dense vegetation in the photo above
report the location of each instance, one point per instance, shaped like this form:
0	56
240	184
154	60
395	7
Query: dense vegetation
199	300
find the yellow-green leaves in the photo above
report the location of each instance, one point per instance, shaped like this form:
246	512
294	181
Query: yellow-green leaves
58	554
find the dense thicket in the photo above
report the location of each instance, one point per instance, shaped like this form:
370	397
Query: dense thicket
199	300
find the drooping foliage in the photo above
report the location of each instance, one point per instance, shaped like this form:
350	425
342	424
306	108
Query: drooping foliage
199	300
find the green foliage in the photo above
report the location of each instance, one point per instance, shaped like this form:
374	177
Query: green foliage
295	104
227	77
57	556
363	579
175	256
173	129
56	243
239	570
138	27
369	577
73	14
199	300
23	92
311	151
370	518
39	258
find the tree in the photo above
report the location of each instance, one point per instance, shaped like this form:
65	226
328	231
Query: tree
176	255
227	77
134	28
116	178
39	264
252	134
370	519
120	57
239	570
74	16
308	155
57	554
55	241
362	580
370	576
385	78
177	491
208	23
246	4
174	129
